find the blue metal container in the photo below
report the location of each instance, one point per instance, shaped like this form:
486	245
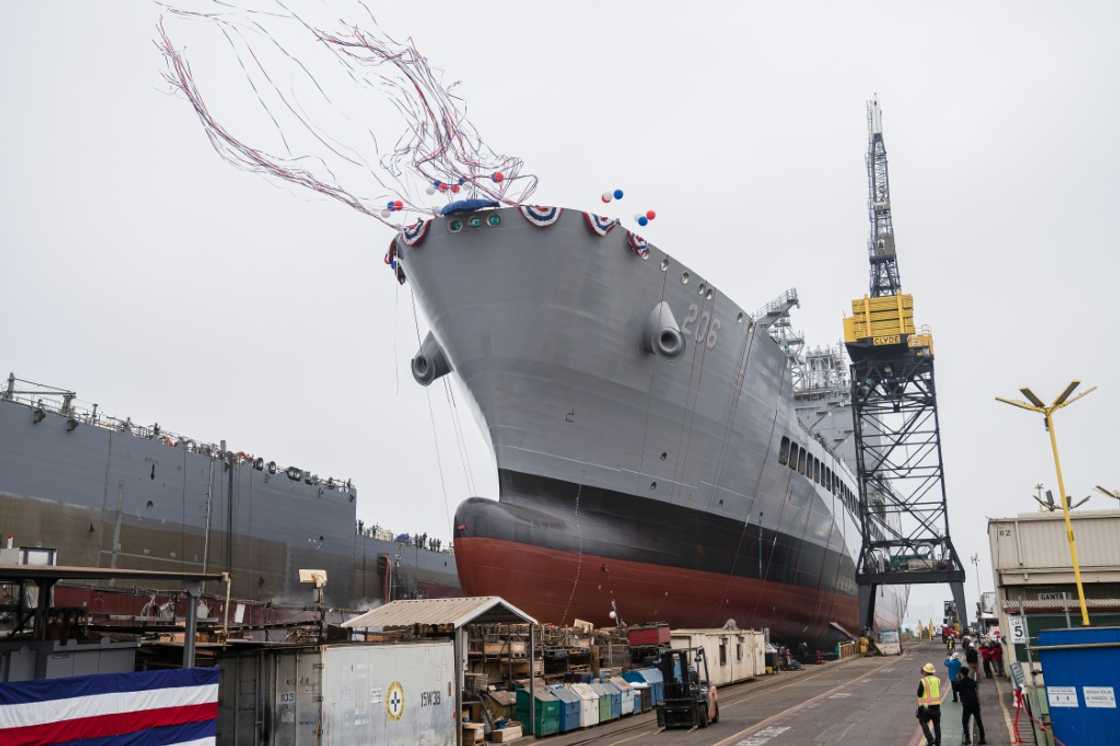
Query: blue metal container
569	707
650	676
1081	668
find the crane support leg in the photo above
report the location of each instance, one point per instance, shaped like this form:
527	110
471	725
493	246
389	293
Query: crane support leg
867	594
958	597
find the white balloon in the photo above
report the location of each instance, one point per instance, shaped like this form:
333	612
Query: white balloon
430	190
385	213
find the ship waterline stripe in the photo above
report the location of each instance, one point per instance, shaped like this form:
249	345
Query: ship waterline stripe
53	710
674	533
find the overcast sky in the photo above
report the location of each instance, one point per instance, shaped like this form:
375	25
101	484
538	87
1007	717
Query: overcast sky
141	270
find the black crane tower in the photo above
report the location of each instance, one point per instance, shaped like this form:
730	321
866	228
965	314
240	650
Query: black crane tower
903	514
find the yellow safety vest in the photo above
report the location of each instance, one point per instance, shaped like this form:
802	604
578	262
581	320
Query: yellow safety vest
931	691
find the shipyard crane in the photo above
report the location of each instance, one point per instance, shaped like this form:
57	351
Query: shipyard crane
903	515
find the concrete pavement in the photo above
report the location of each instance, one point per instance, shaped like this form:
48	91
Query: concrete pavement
867	701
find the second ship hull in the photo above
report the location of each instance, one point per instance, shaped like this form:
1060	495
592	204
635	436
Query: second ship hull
659	483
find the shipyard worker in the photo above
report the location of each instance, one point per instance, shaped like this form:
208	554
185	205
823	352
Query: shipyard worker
953	665
986	657
997	657
970	705
971	657
929	704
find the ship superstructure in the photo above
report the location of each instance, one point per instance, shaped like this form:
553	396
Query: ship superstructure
107	492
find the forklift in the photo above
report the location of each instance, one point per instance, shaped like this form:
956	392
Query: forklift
690	698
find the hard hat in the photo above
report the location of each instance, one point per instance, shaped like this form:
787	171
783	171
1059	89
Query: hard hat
928	668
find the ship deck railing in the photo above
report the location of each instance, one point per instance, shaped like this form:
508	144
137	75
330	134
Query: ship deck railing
42	398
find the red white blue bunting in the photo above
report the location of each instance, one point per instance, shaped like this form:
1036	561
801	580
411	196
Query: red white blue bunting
637	244
149	707
598	224
541	216
414	234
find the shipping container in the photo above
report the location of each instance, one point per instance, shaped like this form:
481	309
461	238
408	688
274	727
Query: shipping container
389	694
655	634
338	694
733	655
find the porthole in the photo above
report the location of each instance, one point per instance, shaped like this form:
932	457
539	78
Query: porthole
494	220
710	294
701	289
664	265
455	225
653	485
475	221
664	455
684	278
739	318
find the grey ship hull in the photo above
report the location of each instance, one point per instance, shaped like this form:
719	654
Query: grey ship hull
109	498
628	477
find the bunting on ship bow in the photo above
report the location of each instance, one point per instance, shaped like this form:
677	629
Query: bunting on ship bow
414	235
637	244
541	216
598	224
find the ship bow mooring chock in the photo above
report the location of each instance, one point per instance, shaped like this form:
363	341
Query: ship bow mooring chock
662	333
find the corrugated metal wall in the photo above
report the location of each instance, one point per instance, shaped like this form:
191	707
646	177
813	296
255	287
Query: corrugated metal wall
1039	542
338	694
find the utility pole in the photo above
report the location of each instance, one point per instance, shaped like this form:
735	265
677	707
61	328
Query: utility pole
1047	411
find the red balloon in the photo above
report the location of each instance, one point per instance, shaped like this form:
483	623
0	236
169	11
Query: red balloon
455	188
442	187
651	214
398	204
499	176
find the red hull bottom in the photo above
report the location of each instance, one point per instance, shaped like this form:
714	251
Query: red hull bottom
557	586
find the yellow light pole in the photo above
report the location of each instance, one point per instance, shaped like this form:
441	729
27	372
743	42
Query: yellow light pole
1047	412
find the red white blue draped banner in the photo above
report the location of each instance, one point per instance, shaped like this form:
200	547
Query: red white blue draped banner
637	244
541	216
414	234
150	708
599	225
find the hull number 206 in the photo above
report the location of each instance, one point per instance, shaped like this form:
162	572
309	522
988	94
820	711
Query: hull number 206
706	329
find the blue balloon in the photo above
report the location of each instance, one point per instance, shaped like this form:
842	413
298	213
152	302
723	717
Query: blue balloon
462	181
436	183
389	205
618	194
643	220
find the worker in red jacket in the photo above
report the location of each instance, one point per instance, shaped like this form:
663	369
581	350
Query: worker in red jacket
986	656
997	657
